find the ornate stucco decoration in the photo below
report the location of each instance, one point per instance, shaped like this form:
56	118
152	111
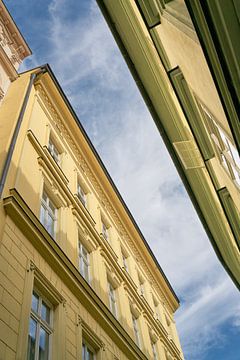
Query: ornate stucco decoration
64	133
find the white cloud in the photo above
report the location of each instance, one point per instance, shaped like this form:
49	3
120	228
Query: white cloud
90	68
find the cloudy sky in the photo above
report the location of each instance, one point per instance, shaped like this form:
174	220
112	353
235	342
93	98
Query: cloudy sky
74	39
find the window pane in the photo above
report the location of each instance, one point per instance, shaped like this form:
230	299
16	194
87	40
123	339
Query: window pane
53	150
42	215
35	301
154	350
83	351
90	355
87	354
50	225
52	207
45	312
84	253
43	344
104	231
136	331
86	277
31	339
44	196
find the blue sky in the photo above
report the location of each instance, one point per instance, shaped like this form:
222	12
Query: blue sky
74	39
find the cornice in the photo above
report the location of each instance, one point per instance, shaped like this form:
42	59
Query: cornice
16	40
192	113
87	215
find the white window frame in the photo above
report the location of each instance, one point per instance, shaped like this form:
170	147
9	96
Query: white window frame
84	261
47	206
226	150
41	323
112	299
125	260
136	330
81	194
54	150
156	308
141	285
87	347
86	335
105	231
154	350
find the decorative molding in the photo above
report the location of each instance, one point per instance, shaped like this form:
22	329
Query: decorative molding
41	282
152	11
192	112
212	56
88	334
61	128
44	153
7	65
12	36
82	213
183	23
1	93
85	237
232	213
160	48
135	309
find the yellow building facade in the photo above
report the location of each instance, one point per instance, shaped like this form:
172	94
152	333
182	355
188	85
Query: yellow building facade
190	80
77	278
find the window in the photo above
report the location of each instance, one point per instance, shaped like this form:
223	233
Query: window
48	214
105	231
112	299
141	285
54	151
154	350
87	351
81	195
226	150
125	264
125	261
169	327
84	262
40	329
91	346
136	330
156	308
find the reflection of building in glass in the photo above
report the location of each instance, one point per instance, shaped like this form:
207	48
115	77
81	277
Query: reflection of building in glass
66	292
189	77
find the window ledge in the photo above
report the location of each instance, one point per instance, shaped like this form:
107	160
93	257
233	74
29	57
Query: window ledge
85	210
46	157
